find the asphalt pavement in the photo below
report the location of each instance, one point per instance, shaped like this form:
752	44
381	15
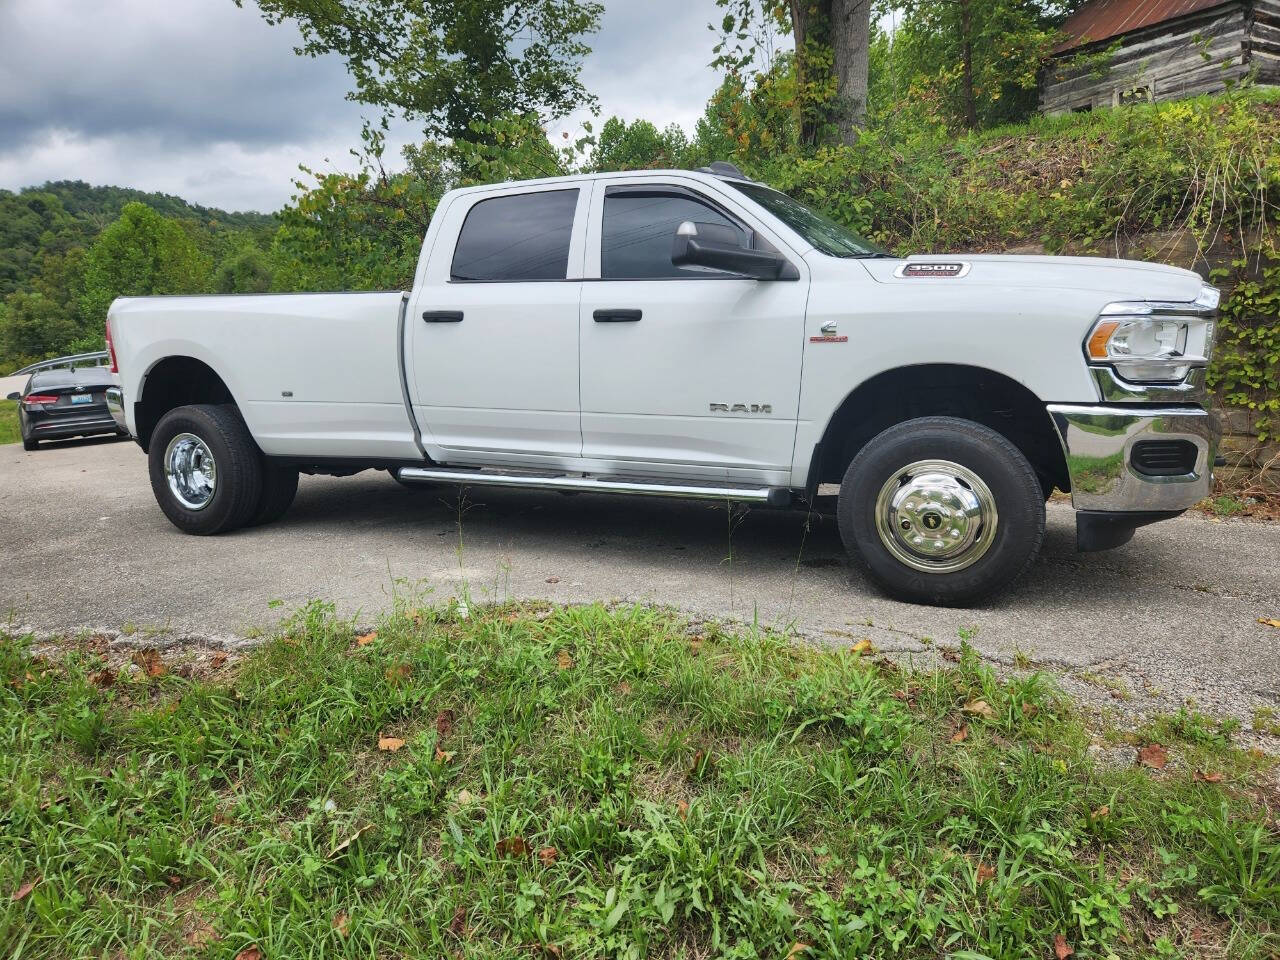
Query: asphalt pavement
1170	616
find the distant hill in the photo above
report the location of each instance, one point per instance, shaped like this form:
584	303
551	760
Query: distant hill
63	215
103	204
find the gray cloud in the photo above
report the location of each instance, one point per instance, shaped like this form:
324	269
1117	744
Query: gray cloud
203	99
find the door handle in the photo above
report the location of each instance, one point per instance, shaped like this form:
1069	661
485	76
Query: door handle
442	316
614	315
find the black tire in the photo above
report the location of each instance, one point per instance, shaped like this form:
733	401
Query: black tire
279	486
238	465
1011	488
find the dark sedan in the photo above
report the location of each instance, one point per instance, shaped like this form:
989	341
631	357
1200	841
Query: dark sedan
65	403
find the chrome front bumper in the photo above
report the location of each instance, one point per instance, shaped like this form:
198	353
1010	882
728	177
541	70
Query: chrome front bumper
115	403
1098	441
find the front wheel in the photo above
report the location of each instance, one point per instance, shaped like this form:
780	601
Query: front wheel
206	471
942	510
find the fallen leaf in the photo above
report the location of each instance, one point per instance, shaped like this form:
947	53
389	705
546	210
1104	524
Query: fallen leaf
563	660
624	688
553	579
185	671
200	934
949	653
695	644
219	660
550	949
103	678
22	891
1210	777
797	948
350	840
1101	812
1154	756
401	671
444	723
390	744
443	756
366	638
249	953
985	873
862	648
1029	709
978	708
1269	622
416	616
340	921
1061	949
465	797
961	734
175	881
150	663
513	847
62	798
458	925
548	855
682	810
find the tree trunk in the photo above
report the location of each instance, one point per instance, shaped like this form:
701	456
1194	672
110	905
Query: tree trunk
800	30
850	41
966	30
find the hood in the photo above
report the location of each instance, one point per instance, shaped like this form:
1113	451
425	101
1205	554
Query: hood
1123	279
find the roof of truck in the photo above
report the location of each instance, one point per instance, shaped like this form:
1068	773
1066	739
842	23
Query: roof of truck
702	173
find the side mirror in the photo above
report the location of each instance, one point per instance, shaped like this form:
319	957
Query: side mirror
14	396
718	246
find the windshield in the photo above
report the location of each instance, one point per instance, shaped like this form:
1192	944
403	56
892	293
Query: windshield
825	234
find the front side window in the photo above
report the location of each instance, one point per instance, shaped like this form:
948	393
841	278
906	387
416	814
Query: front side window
824	233
639	229
524	236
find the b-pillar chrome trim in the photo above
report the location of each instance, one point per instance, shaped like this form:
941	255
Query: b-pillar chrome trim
1098	441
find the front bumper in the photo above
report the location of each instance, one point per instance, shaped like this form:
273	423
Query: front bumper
1098	441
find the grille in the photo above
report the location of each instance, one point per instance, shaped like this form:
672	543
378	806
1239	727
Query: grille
1163	458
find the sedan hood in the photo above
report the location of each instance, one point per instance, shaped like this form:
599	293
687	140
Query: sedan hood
1125	279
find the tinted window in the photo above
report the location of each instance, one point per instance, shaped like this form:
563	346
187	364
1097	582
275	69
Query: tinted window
520	237
640	227
823	232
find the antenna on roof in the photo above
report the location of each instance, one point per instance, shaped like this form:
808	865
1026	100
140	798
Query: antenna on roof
722	168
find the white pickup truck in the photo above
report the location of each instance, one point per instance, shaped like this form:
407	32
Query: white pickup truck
697	334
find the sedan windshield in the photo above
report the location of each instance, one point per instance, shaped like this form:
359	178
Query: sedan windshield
825	234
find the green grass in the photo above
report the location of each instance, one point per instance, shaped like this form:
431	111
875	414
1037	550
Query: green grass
591	783
9	432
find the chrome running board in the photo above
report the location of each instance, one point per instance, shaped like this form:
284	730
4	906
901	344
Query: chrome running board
774	496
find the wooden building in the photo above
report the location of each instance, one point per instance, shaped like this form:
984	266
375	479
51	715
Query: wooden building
1121	51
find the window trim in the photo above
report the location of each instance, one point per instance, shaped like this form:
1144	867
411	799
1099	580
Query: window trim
574	232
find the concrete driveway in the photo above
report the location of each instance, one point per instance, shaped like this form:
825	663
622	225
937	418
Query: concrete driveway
1174	614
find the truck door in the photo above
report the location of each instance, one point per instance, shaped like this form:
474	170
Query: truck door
691	371
493	341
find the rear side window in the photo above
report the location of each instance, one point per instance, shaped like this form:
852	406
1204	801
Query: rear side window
639	229
520	237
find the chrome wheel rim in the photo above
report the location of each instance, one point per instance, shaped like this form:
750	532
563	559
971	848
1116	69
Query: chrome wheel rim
190	469
936	516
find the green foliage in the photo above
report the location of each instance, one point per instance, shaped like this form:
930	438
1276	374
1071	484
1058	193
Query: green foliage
246	269
585	782
1246	368
979	62
641	146
142	253
447	64
10	432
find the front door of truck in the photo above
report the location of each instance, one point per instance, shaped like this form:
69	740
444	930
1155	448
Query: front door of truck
494	336
685	370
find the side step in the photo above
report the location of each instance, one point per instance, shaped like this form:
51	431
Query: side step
773	496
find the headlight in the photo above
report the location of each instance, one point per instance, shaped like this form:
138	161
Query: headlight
1151	342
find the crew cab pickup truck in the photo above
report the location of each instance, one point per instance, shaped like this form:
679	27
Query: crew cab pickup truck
697	334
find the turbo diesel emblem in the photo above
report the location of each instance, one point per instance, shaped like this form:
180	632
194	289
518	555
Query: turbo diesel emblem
742	408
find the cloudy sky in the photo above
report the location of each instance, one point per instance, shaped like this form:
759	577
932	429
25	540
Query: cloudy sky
202	99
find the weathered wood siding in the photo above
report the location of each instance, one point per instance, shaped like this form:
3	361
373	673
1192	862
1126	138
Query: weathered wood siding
1264	40
1198	53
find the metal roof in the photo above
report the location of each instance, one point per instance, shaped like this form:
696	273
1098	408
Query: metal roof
1105	19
